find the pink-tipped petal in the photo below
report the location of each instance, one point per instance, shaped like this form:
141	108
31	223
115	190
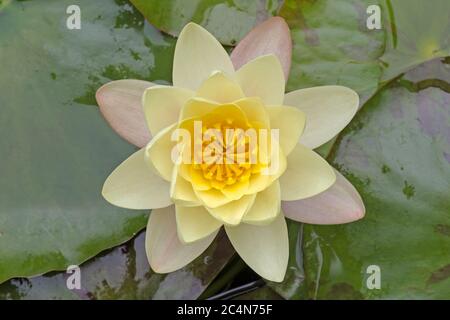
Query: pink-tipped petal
120	103
341	203
270	37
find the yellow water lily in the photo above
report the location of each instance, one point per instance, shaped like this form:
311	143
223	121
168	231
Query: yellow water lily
193	198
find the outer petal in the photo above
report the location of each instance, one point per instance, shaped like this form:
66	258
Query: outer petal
270	37
197	55
164	250
195	223
120	103
133	185
328	110
266	206
339	204
264	248
159	152
263	77
307	175
291	123
220	88
162	106
232	212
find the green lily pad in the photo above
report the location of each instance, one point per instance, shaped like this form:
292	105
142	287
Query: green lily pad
332	45
419	32
229	21
397	153
57	149
124	273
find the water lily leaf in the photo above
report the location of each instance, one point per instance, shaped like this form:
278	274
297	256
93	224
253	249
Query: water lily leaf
397	153
418	32
332	45
229	21
124	273
57	148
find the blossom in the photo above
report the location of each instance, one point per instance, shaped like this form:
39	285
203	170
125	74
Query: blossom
196	186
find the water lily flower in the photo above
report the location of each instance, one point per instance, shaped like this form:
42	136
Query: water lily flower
192	201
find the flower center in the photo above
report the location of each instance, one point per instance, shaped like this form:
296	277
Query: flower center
228	153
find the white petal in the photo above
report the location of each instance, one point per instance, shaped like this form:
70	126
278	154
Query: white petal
120	103
270	37
232	212
266	206
328	110
264	248
339	204
159	152
162	106
263	78
195	223
164	250
307	174
197	55
134	185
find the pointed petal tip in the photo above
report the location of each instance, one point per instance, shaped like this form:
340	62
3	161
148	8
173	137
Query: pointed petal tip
272	36
339	204
120	104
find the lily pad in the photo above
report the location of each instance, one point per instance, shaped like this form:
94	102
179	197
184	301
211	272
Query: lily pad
57	150
332	45
397	153
418	32
124	273
229	21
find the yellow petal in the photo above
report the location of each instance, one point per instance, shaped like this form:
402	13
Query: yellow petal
159	152
328	110
264	248
291	123
258	182
162	106
134	185
212	198
197	107
266	206
255	110
307	174
236	190
195	223
220	88
165	252
232	212
197	55
120	103
181	191
264	78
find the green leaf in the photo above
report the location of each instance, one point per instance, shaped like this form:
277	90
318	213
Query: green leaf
124	273
229	21
332	45
56	149
397	153
419	31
